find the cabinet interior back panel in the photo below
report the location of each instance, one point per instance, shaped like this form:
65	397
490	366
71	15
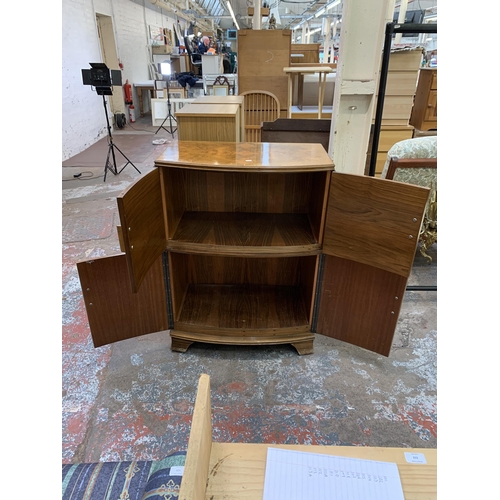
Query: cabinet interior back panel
190	269
204	191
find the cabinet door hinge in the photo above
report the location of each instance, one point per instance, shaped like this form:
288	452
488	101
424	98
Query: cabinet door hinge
317	297
168	291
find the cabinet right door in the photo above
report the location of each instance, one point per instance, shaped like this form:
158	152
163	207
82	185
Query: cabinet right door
371	233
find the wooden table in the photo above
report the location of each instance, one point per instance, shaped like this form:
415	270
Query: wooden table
149	85
300	72
237	470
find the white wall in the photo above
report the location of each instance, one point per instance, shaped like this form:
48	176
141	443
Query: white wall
83	118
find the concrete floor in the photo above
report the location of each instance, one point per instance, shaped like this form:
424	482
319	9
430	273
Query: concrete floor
134	399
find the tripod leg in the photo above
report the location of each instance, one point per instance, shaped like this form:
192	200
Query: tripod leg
128	161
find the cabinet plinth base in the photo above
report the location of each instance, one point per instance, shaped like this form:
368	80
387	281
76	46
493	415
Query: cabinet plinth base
180	345
304	347
181	341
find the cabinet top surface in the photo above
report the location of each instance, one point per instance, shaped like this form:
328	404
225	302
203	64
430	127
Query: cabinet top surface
211	109
246	156
219	99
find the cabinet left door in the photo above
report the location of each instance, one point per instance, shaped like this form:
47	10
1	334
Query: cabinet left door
114	311
143	226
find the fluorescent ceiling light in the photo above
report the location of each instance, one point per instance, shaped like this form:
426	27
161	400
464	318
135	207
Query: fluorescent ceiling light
232	15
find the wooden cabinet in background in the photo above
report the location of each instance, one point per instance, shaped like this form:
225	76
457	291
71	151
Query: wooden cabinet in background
424	112
256	244
209	122
262	55
307	53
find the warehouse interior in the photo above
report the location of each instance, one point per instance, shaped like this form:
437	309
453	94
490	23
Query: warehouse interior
133	400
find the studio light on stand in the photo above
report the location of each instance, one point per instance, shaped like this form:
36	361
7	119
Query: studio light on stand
102	79
166	71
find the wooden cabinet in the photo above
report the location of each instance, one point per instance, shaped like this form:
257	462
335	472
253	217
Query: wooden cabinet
256	244
305	53
209	122
226	99
424	112
262	55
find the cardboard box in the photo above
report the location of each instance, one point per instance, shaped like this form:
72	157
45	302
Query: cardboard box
264	12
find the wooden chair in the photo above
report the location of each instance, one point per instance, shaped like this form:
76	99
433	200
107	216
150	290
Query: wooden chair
421	172
260	106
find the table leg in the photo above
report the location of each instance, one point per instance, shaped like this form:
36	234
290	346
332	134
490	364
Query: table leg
290	96
321	92
139	94
300	90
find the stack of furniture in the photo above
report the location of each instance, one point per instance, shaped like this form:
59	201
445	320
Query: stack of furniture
262	55
255	244
398	101
424	112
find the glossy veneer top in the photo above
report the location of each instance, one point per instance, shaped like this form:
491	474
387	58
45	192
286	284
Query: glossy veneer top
246	157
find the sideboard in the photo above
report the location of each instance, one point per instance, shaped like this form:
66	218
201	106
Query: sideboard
256	244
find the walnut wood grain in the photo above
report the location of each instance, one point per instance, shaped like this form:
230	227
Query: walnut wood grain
143	225
373	221
242	307
222	270
303	342
245	157
116	313
251	193
252	233
360	304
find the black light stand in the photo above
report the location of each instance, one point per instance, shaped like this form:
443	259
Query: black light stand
102	78
111	166
167	71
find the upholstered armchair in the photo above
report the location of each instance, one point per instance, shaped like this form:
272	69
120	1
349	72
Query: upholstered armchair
414	161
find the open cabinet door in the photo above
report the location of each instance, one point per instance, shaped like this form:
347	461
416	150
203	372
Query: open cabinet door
113	310
371	233
143	226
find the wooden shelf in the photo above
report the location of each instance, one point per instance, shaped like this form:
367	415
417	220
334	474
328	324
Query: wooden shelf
226	308
238	233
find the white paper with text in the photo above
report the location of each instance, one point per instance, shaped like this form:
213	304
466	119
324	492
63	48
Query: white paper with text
297	475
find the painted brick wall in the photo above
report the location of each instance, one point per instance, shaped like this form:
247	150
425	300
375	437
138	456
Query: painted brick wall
83	118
